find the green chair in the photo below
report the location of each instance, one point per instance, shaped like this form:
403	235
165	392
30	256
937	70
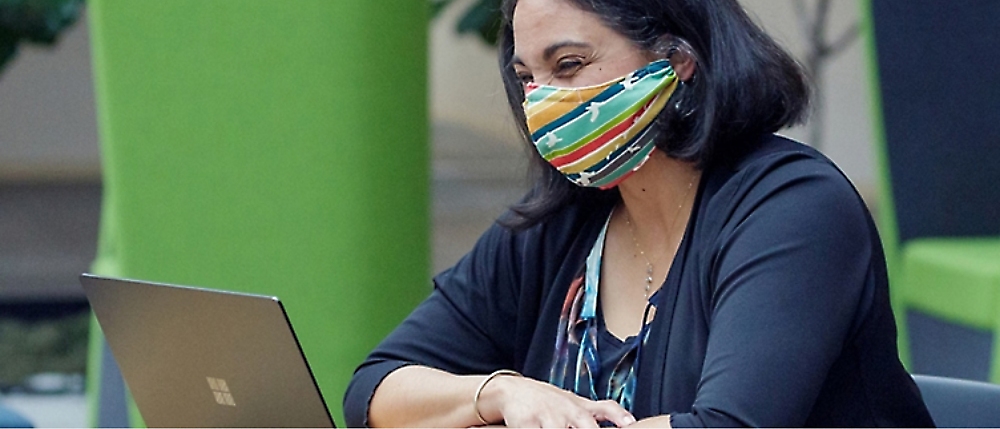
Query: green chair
936	94
263	146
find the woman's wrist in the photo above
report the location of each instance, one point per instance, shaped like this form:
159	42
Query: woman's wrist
653	422
488	398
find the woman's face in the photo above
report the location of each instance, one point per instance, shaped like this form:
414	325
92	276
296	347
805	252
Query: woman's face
556	43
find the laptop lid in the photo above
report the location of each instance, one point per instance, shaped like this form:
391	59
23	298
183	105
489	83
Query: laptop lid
195	357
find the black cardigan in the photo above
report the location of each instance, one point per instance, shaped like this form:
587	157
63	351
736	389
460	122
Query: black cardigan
775	311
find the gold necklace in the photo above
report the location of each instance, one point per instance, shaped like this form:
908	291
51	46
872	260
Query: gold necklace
638	248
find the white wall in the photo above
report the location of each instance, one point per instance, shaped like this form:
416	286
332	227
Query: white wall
48	130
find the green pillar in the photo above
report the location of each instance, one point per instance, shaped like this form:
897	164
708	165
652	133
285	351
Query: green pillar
275	147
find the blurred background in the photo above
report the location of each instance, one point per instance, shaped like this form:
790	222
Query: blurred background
51	177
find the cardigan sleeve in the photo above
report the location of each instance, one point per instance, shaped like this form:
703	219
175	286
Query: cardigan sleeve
459	328
789	275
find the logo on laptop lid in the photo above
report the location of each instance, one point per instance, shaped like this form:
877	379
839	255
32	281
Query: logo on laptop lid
221	391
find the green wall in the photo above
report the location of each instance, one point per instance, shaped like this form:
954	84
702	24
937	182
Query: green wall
275	147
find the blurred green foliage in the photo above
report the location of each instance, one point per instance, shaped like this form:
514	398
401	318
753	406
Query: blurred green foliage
36	21
481	18
55	345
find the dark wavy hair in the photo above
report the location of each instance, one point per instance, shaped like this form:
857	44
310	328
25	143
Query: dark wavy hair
744	86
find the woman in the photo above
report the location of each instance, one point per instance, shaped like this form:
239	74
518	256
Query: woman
695	270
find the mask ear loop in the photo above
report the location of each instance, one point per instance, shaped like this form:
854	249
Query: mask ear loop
678	46
678	116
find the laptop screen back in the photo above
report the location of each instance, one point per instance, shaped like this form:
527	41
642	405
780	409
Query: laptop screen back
205	358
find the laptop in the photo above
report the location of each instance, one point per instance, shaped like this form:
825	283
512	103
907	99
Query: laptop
195	357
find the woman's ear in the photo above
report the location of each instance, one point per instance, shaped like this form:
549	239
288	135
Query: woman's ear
684	64
679	52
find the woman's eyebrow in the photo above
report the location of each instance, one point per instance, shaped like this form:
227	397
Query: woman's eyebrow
552	49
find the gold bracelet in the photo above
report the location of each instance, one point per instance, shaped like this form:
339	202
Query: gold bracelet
479	390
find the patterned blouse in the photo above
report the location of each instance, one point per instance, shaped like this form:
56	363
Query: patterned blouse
577	363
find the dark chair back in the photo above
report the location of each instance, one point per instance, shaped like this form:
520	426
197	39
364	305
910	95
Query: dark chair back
939	73
957	403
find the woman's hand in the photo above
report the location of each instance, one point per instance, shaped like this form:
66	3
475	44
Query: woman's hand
523	402
653	422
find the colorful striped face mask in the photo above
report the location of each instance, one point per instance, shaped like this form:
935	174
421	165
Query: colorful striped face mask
598	135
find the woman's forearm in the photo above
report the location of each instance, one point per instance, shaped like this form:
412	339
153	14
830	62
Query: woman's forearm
418	396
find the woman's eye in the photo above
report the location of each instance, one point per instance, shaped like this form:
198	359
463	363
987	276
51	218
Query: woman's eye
568	66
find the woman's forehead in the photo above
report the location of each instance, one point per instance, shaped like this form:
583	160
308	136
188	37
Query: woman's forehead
540	25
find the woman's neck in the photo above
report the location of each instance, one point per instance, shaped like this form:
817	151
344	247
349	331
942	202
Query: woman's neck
657	200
